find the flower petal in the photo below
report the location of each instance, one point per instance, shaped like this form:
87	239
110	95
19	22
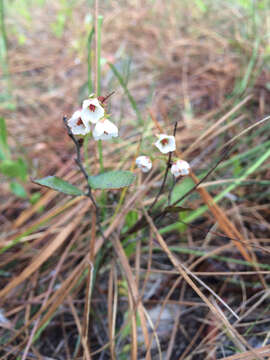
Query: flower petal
105	130
77	126
92	111
165	143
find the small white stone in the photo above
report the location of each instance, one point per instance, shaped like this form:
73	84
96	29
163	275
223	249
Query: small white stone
76	124
144	163
92	111
105	130
180	168
165	143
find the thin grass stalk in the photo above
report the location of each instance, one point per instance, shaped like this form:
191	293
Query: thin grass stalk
133	290
94	211
4	47
183	271
90	90
110	311
129	96
225	224
77	322
89	61
134	340
91	260
98	26
124	191
55	301
98	88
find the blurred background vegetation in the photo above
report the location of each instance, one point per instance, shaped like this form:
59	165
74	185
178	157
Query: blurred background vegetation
203	63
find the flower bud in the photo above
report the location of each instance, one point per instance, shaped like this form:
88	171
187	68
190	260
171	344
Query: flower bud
180	168
144	163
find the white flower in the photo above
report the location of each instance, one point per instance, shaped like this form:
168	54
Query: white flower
92	111
144	163
180	168
77	126
165	143
105	130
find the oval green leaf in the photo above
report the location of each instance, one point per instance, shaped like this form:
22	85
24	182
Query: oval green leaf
14	168
112	180
18	189
55	183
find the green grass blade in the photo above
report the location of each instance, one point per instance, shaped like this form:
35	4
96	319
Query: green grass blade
201	210
129	96
89	61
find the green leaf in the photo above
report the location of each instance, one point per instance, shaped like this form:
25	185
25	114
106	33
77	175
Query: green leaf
180	189
4	150
18	189
129	96
55	183
176	209
112	180
14	169
34	198
3	131
201	5
22	169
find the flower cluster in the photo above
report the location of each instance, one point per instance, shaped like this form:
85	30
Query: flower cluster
165	144
92	112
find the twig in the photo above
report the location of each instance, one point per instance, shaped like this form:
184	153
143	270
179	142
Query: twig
141	223
166	173
78	161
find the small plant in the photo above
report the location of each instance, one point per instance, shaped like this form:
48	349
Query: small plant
80	124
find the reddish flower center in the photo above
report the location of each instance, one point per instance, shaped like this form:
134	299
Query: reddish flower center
164	142
92	107
79	122
105	132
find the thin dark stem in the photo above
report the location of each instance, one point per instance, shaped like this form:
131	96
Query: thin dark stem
78	161
141	223
166	174
224	154
171	190
103	99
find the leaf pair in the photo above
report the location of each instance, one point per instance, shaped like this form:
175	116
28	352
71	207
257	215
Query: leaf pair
108	180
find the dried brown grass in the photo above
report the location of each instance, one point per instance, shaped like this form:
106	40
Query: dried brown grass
190	64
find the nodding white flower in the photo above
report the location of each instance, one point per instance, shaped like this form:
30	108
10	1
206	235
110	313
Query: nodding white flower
165	143
92	111
180	168
105	130
76	124
144	163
